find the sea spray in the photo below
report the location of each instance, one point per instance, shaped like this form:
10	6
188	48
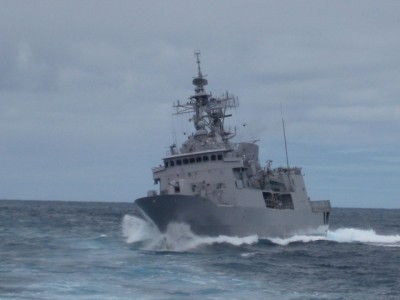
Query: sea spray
178	237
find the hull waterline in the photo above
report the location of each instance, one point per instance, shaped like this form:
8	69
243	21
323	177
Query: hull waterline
206	218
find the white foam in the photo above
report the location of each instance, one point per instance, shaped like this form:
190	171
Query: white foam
345	235
348	235
297	238
178	236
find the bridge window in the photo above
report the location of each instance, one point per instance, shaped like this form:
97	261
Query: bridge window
192	160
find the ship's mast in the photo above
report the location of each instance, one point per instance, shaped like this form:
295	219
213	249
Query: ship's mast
199	81
200	97
209	112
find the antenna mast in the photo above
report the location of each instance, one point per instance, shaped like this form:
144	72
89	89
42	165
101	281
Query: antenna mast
197	54
284	137
287	156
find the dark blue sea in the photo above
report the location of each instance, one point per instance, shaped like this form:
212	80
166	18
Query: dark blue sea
86	250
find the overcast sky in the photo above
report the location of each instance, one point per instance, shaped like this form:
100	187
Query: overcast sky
86	89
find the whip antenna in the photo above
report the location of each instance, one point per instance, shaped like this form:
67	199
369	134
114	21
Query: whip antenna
284	137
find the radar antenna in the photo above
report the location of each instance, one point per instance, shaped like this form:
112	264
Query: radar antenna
199	81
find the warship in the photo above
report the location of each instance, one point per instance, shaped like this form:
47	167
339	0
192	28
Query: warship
219	187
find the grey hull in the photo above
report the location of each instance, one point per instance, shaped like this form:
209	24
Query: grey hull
206	218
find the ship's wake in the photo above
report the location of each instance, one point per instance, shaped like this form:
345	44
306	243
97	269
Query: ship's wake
367	236
345	235
178	237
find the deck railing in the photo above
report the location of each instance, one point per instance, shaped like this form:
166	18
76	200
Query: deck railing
320	205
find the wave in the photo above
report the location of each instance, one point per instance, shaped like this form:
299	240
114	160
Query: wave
178	237
296	239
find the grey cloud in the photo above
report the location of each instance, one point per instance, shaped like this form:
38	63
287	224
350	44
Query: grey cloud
86	87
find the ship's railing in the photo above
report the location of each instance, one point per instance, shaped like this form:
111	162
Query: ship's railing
320	205
158	169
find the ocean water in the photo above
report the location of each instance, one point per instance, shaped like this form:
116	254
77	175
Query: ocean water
83	250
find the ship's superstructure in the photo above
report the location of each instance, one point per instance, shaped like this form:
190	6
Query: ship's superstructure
219	187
